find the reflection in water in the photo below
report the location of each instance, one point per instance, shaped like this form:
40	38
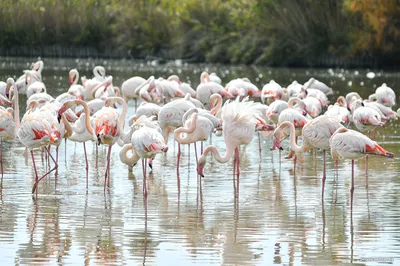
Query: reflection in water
279	216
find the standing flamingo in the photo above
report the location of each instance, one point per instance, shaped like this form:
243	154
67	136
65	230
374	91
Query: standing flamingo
82	129
316	134
9	120
353	145
206	88
89	84
147	142
75	88
109	125
239	125
197	128
128	88
384	95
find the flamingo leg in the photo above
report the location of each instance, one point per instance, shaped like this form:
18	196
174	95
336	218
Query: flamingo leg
46	174
144	178
65	152
195	152
178	158
324	174
35	186
366	171
1	158
201	148
188	155
107	167
237	169
234	174
87	164
259	142
135	103
352	177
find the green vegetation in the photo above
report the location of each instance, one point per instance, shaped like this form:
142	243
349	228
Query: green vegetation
284	32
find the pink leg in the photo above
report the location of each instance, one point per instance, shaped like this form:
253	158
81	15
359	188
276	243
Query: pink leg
46	174
87	164
1	158
324	175
108	165
237	169
195	153
35	186
259	142
188	155
65	152
352	177
178	159
366	171
144	178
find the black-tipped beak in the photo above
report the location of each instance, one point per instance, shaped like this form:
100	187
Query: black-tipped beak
98	140
151	166
202	175
280	148
59	118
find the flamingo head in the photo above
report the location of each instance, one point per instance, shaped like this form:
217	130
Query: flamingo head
200	167
276	139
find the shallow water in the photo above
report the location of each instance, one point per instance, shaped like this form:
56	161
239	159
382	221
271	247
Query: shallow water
279	217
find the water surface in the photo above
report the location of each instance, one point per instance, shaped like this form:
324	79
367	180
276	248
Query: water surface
279	217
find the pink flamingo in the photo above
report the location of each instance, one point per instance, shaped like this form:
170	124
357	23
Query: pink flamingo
147	141
316	134
384	95
75	88
339	110
206	88
128	88
109	125
82	130
350	144
9	120
239	125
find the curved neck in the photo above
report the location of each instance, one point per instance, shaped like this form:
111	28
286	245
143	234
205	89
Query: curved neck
204	78
292	137
188	130
68	128
293	101
222	159
216	108
87	120
75	77
16	110
125	158
97	72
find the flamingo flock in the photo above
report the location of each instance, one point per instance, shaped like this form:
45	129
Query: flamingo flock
88	112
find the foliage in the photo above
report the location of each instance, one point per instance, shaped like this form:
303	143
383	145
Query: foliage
284	32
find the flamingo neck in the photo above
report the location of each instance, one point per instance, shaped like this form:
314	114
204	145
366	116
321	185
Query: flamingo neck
16	111
293	145
125	158
188	139
216	109
67	125
76	78
222	159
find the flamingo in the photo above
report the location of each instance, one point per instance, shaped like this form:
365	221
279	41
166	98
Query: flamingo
9	120
82	130
275	108
313	106
239	126
315	93
89	84
294	89
128	88
147	141
206	88
129	159
352	97
147	109
316	84
183	86
35	75
197	128
242	87
214	78
33	86
316	134
384	95
339	110
271	92
109	125
35	132
353	145
365	119
75	88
